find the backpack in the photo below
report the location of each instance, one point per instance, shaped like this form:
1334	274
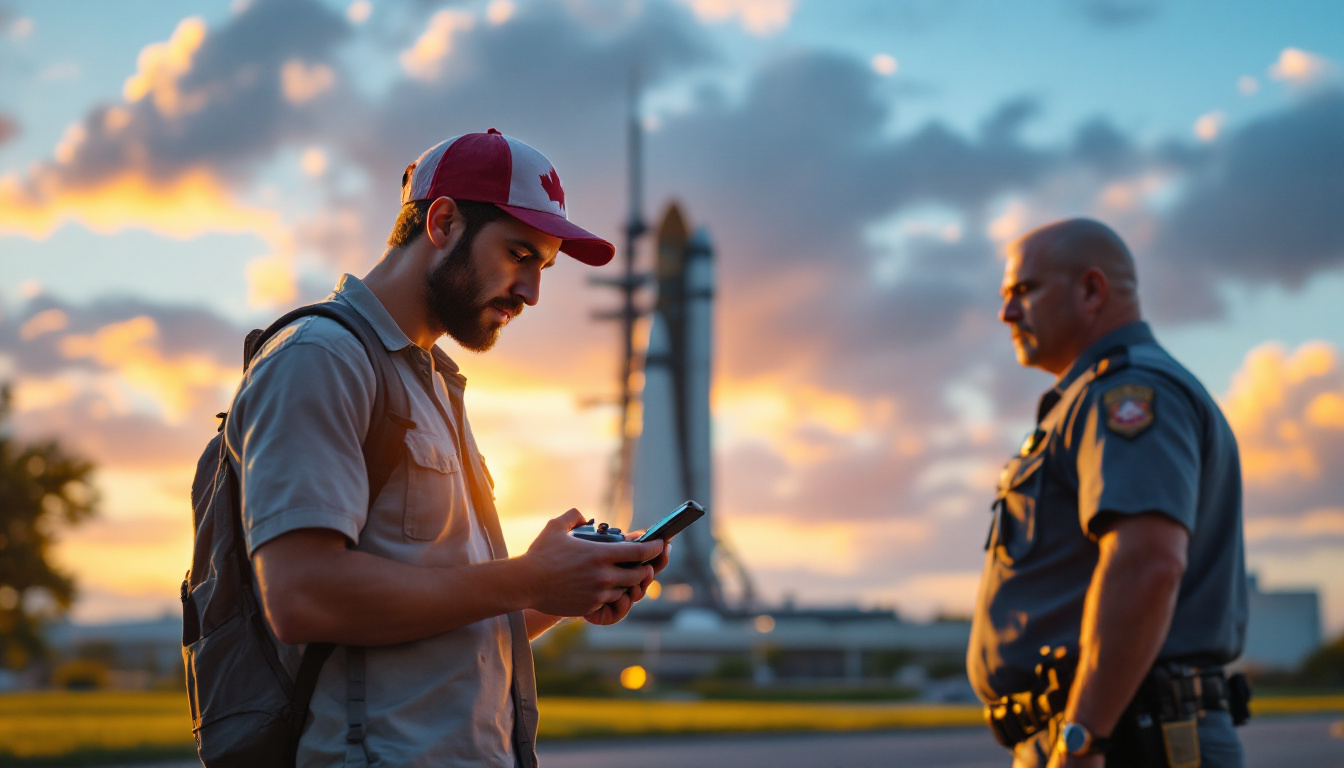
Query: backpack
246	710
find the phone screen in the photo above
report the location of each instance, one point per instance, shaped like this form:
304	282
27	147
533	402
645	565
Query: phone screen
674	523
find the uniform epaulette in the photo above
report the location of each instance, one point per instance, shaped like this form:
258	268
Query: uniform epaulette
1114	360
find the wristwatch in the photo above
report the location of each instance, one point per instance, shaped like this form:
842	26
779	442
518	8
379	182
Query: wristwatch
1076	740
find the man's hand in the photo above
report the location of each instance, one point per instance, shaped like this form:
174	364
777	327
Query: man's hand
573	577
614	612
1127	614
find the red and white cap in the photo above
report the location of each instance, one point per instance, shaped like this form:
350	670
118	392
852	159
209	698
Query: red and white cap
493	168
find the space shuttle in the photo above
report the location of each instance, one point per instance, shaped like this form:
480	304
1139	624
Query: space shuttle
673	456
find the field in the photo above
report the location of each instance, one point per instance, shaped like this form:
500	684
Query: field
101	727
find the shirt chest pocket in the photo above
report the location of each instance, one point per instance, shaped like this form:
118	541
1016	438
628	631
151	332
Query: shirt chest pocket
1015	525
435	492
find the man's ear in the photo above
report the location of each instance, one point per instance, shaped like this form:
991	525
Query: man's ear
441	221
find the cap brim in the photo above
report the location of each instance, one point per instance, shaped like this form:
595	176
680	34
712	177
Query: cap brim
577	241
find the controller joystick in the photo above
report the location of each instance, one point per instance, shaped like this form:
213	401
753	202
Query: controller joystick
600	532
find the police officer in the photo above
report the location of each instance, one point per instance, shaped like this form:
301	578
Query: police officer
1114	586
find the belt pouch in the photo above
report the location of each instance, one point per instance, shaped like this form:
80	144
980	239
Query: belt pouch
1239	698
1180	740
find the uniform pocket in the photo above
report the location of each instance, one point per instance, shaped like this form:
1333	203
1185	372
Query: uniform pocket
433	485
1019	488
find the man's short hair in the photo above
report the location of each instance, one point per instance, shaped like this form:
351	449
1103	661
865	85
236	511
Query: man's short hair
411	221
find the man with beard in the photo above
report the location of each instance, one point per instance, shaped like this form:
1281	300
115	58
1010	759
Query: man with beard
431	618
1114	587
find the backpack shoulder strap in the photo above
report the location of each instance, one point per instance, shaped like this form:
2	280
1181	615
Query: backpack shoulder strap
390	417
382	448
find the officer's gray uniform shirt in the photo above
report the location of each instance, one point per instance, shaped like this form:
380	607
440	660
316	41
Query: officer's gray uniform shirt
296	430
1112	438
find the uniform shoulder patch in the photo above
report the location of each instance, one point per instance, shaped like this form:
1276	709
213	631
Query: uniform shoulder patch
1129	409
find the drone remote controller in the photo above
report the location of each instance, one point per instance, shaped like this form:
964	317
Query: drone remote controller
600	532
664	529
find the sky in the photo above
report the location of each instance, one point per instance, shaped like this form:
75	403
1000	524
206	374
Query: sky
172	175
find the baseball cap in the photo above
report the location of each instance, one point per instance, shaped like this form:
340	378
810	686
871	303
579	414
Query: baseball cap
493	168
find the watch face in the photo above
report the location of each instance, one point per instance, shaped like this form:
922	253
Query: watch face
1075	738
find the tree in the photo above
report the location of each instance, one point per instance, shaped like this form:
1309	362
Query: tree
42	489
1325	667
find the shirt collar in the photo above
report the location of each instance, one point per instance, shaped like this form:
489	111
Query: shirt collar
354	292
1127	335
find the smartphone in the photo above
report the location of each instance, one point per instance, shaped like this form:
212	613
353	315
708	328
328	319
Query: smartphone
675	523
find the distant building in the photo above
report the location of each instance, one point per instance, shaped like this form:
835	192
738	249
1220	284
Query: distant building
136	654
834	645
1284	628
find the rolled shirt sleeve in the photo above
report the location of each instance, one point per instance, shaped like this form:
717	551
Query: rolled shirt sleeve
296	433
1129	462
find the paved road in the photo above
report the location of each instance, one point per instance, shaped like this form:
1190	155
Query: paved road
1300	742
1297	742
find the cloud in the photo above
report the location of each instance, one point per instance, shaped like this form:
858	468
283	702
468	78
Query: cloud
192	203
202	111
8	128
1260	208
162	66
864	383
174	349
22	28
1287	409
1288	412
885	64
1298	67
759	17
499	11
1208	126
359	11
425	59
301	83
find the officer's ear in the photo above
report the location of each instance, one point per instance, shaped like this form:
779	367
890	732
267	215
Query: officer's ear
1096	289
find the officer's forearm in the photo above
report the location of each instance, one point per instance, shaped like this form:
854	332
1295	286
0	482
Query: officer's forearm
1128	612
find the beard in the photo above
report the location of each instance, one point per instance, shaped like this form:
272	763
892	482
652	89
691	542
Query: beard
458	301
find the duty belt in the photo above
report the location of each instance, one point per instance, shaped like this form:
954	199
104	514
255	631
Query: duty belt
1174	691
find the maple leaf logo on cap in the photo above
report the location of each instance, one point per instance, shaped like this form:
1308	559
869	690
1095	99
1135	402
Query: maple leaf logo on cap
551	183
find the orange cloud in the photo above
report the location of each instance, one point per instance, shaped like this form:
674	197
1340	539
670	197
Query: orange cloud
1283	407
1209	125
302	83
767	409
1317	522
192	204
130	350
50	321
1300	67
162	66
759	17
424	60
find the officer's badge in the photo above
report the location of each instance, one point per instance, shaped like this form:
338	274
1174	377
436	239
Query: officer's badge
1129	409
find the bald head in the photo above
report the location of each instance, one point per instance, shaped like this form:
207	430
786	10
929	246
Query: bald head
1065	285
1074	246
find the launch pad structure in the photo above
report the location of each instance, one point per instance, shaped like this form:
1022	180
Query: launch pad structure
665	452
665	456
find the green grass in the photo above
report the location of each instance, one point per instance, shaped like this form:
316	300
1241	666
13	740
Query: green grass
81	728
103	727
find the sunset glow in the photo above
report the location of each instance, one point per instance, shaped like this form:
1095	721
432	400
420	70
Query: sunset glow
176	180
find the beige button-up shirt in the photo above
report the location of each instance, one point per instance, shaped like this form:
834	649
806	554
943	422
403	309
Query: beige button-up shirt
298	421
